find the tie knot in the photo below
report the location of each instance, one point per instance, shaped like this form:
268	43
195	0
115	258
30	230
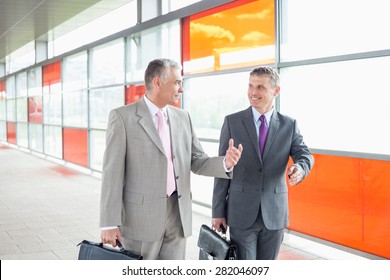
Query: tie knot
263	119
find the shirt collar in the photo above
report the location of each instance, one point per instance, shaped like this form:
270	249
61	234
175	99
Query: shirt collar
153	108
256	115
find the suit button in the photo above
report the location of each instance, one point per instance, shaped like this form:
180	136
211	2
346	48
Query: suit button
260	169
177	177
179	196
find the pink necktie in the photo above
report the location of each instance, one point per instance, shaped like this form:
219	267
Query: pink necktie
166	141
263	131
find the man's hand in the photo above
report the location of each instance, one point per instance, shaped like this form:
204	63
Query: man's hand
295	175
110	236
217	222
233	154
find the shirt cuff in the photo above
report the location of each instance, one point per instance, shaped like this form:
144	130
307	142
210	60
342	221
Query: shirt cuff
224	166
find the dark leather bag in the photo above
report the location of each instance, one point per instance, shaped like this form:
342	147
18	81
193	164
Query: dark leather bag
97	251
214	246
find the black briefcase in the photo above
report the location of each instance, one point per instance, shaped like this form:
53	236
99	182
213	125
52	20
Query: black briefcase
97	251
214	246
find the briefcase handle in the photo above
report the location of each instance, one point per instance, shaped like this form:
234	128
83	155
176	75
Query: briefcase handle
223	232
119	245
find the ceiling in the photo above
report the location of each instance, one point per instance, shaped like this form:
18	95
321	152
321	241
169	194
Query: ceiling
23	21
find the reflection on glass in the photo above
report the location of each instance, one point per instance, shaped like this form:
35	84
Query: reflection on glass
209	99
35	109
102	101
75	109
34	77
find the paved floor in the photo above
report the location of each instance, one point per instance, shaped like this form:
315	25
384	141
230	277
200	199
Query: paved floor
46	209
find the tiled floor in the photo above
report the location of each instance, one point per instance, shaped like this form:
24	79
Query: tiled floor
46	209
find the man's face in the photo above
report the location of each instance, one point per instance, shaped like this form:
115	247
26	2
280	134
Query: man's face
261	93
171	88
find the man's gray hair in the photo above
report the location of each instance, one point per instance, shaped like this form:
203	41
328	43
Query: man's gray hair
159	68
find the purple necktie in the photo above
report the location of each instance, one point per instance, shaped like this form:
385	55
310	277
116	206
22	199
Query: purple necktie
166	141
263	131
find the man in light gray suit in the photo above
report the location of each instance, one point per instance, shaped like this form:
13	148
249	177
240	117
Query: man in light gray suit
146	196
254	204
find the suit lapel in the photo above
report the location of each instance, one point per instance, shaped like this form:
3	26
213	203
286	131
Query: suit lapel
251	129
147	123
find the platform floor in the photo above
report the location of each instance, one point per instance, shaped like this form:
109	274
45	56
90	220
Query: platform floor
46	209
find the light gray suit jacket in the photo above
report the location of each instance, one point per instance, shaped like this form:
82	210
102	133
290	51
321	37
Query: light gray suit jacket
259	182
133	194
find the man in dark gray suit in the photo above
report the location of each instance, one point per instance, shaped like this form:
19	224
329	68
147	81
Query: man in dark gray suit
254	204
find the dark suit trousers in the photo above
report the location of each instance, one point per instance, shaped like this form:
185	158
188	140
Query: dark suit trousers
257	242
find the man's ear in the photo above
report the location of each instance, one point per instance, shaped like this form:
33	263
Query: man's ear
277	91
156	82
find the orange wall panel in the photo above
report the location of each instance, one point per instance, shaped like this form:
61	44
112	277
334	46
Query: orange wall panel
76	146
346	201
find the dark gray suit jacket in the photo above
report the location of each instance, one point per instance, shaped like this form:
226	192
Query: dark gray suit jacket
259	182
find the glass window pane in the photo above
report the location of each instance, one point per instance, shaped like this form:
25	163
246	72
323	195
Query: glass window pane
51	77
3	130
102	101
52	108
76	146
105	25
11	132
97	147
34	77
75	72
141	48
10	87
107	64
53	141
11	110
35	109
208	106
230	36
3	110
75	109
173	5
21	84
21	104
330	113
35	137
22	134
321	28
